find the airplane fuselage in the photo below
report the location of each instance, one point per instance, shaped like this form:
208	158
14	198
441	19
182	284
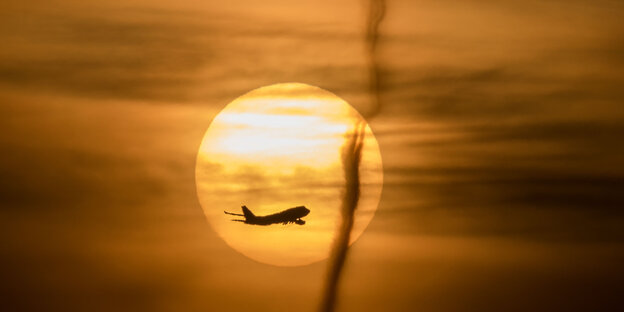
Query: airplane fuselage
292	215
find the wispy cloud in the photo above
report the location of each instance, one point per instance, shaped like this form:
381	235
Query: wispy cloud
500	136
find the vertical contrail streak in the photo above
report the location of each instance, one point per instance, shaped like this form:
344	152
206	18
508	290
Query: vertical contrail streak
351	155
376	13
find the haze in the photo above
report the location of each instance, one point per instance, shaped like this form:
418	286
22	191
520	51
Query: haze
500	134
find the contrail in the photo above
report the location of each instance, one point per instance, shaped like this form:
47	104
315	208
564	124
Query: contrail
351	155
376	13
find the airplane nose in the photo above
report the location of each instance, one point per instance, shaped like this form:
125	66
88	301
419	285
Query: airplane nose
307	211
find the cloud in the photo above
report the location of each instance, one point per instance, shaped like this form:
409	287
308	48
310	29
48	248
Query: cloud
140	55
499	137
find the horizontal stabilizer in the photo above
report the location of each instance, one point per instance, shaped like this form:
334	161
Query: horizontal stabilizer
234	214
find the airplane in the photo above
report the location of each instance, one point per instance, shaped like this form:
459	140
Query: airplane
292	215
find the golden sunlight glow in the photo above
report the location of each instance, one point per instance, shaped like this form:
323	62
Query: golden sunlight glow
278	147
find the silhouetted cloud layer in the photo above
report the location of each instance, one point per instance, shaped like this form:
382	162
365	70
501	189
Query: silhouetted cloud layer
500	136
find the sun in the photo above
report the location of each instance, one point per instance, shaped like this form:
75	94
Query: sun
278	147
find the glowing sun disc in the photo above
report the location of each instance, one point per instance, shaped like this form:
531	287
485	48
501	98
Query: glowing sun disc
278	147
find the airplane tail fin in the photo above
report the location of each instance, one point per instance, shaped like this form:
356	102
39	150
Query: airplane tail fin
247	213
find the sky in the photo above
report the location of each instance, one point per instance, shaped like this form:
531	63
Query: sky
499	131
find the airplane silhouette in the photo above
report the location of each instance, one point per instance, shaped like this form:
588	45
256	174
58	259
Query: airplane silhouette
292	215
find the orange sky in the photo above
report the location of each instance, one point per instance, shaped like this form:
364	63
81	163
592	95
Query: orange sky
500	136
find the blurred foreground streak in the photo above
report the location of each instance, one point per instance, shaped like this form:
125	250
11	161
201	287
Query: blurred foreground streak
351	155
500	136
